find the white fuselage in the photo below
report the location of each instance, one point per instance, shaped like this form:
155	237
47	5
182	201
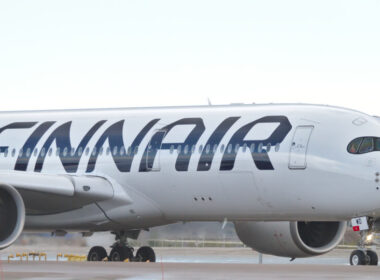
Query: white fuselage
178	174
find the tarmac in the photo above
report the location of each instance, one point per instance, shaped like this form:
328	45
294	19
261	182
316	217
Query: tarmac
182	271
192	263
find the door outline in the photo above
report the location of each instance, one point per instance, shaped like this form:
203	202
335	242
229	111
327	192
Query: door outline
156	164
300	156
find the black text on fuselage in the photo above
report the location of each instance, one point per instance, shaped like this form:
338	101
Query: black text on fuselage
124	157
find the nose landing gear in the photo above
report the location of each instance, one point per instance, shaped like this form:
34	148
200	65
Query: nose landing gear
121	252
363	256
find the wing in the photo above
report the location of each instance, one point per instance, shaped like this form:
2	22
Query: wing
47	194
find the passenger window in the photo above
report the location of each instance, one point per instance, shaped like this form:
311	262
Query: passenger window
13	152
277	148
215	148
269	146
222	148
35	152
377	144
366	146
193	149
87	151
229	148
171	149
207	148
80	151
237	146
136	150
244	147
200	149
50	152
114	153
43	152
260	148
122	151
252	148
186	149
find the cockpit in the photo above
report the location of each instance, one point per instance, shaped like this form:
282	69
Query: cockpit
363	145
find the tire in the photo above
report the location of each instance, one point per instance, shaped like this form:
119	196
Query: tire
373	259
358	257
145	254
120	254
96	254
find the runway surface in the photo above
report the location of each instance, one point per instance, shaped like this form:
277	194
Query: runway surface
153	271
194	255
189	263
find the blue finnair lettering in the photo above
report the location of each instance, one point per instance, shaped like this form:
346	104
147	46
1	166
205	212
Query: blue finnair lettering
69	158
156	143
114	134
30	144
15	125
260	158
113	137
208	151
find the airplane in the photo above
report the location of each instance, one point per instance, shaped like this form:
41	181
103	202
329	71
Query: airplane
290	176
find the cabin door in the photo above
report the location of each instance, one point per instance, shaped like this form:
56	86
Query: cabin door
153	159
298	149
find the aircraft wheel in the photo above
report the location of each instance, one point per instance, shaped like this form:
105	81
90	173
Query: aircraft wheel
96	254
120	254
373	259
145	254
358	257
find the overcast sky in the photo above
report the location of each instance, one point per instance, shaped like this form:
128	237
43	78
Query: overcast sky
90	53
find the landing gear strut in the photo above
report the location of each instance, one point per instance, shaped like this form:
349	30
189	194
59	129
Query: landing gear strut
121	251
363	256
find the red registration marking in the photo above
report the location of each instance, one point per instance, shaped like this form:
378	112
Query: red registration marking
356	228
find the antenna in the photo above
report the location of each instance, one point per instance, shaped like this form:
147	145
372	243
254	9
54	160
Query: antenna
209	101
225	221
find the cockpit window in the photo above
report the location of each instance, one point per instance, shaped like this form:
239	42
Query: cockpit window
377	144
353	147
364	145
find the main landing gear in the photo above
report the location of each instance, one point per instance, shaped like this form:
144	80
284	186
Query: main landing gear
121	251
363	256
